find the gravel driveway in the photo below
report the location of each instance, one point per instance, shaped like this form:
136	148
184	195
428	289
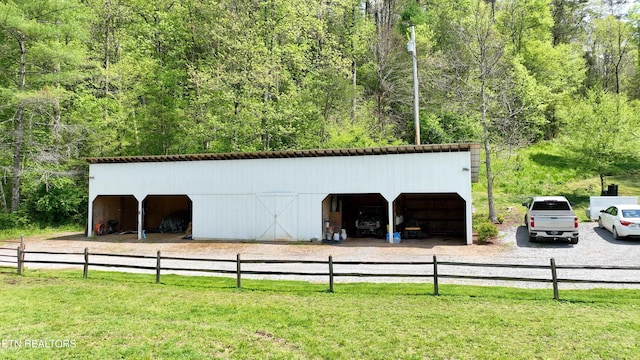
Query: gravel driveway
596	247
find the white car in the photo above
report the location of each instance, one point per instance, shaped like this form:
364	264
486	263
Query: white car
621	220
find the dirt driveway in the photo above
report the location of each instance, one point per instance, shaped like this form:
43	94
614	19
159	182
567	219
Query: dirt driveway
174	245
596	248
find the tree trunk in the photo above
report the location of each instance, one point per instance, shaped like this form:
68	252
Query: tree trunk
18	136
486	62
354	82
18	130
107	60
487	151
3	198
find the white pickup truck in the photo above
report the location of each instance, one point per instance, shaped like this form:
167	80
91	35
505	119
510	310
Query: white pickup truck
552	218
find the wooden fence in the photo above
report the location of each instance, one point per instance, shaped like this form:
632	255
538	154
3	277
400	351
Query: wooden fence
8	254
432	269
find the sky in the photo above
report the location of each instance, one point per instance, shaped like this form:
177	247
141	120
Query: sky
620	7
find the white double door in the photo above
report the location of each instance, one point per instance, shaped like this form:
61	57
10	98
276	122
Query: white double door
276	216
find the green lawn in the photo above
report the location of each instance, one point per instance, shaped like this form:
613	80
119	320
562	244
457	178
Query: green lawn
113	315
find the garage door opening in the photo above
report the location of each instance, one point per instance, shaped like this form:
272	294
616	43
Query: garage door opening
167	213
114	214
419	216
360	215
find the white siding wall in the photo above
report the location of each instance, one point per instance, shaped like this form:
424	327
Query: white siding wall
226	193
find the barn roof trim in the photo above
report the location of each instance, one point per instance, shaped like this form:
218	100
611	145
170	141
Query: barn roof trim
473	148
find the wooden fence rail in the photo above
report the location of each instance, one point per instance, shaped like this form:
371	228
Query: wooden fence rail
428	269
8	257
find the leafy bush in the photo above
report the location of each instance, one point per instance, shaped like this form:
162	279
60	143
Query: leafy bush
58	202
14	220
486	231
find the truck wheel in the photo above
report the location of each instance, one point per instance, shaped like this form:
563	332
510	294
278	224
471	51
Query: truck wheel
573	241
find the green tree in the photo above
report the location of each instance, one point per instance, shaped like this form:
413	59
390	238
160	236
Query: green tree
387	77
42	55
261	58
600	132
474	79
612	54
442	65
569	19
545	75
499	70
526	23
486	53
104	98
634	21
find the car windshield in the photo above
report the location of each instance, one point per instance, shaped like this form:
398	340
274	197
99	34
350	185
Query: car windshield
370	212
631	213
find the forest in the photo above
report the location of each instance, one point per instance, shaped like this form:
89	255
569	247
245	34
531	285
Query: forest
92	78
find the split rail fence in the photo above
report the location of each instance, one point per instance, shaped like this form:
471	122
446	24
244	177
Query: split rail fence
431	269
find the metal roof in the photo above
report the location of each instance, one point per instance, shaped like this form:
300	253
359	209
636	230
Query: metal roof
474	149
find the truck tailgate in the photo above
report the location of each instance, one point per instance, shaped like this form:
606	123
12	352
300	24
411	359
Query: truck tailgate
551	220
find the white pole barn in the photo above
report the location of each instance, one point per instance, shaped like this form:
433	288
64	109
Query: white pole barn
296	195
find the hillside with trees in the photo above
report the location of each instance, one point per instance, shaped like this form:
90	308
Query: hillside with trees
91	78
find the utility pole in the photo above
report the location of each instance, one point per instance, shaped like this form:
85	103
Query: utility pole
411	47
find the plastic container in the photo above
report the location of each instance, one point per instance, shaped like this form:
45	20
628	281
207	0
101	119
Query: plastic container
395	239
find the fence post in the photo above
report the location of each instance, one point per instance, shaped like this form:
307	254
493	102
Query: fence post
554	277
435	276
330	273
158	268
20	259
85	269
21	256
238	272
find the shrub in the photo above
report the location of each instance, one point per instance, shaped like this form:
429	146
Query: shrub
486	231
59	202
13	220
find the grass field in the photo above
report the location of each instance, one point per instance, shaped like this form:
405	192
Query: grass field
112	315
